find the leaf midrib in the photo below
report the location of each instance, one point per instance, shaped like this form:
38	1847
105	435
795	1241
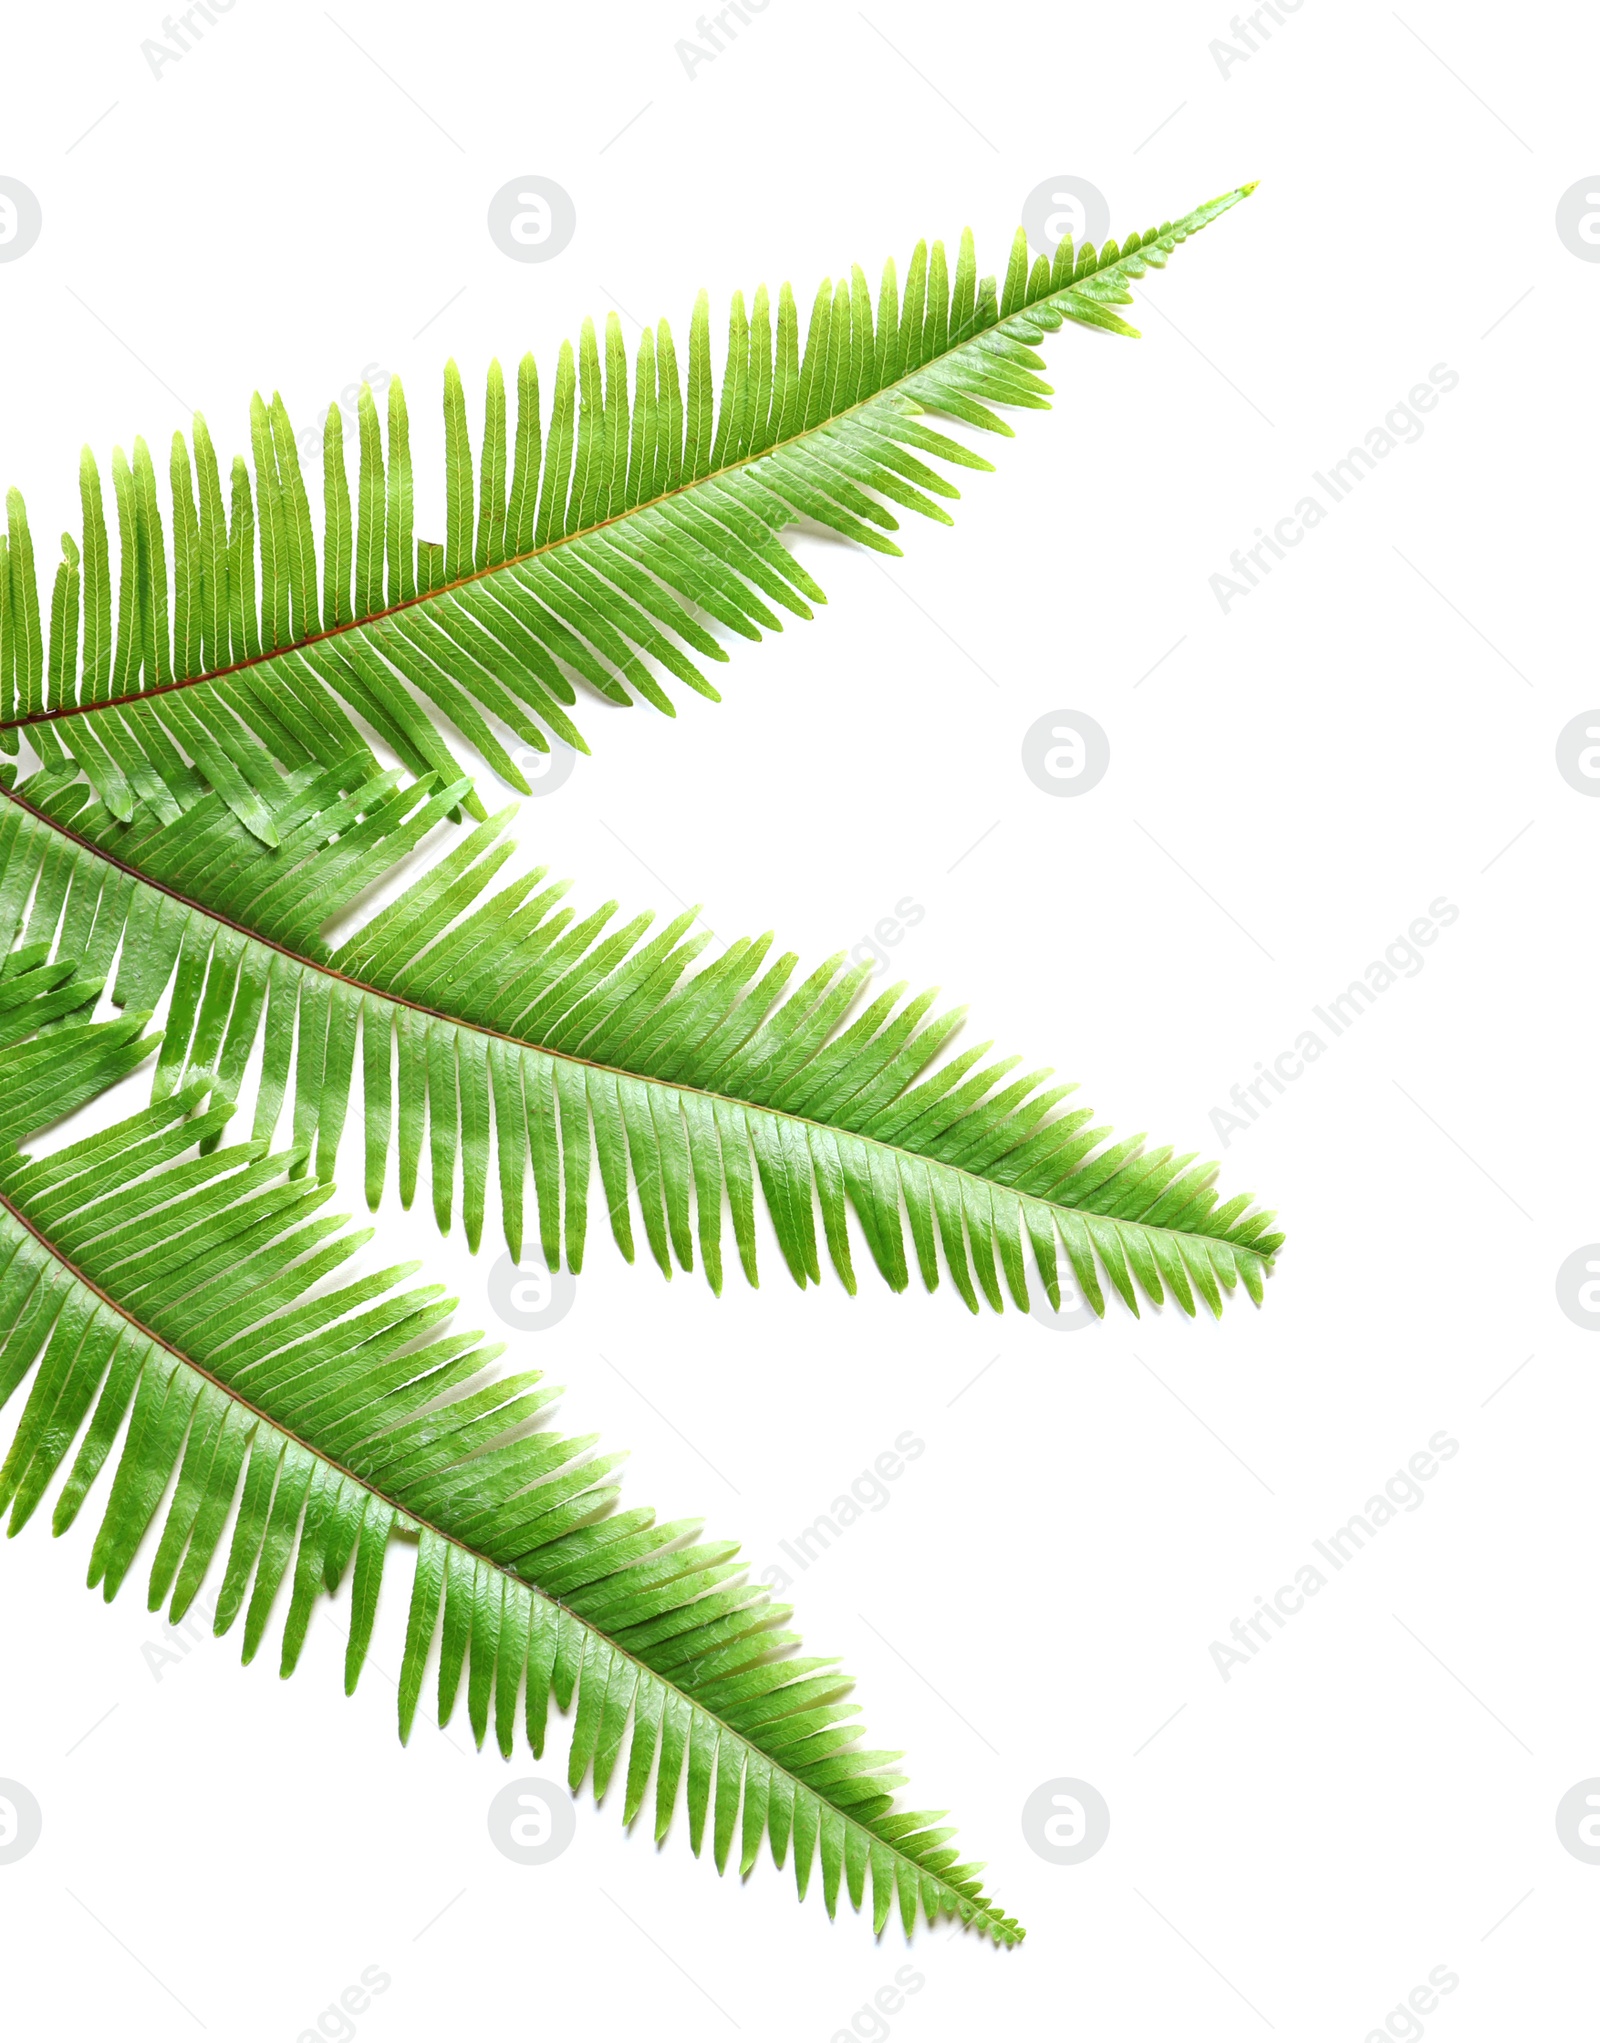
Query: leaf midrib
333	631
669	1085
989	1911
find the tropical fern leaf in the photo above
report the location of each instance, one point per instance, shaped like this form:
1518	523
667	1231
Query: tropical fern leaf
505	1029
594	541
205	1301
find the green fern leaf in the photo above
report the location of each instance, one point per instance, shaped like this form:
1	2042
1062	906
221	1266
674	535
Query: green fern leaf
632	520
507	1031
204	1301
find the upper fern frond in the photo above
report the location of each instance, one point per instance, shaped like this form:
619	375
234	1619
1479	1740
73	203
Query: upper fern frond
505	1027
205	1302
599	534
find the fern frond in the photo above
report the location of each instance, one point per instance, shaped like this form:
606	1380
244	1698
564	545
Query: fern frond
506	1029
594	543
188	1296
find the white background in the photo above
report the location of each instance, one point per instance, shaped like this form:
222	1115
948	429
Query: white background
1295	1849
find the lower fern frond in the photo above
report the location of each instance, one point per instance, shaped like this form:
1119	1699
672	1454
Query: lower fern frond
194	1297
